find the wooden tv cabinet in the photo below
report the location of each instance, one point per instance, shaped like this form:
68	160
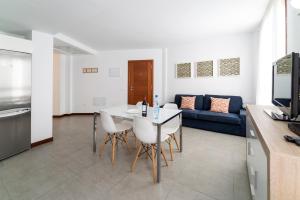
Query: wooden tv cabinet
273	164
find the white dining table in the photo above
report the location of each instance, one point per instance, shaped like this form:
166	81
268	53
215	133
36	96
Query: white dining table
164	116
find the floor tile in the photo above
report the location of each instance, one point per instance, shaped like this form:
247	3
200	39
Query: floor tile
137	187
37	182
3	192
179	192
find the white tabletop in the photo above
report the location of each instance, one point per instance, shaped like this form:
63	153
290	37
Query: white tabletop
121	111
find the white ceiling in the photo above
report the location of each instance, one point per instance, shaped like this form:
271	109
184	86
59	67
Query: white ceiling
127	24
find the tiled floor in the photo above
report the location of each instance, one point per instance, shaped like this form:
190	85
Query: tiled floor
212	167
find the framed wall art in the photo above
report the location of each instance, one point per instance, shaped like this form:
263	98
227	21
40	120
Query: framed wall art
229	67
184	70
90	70
204	69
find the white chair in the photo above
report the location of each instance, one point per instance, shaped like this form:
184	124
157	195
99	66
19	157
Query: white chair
139	103
172	127
147	135
139	107
114	132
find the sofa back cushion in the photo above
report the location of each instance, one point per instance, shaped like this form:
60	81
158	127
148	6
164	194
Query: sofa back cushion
188	102
219	105
235	104
198	101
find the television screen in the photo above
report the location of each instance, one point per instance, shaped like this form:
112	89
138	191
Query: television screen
286	84
283	81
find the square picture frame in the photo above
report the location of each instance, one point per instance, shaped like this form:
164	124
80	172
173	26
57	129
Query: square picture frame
229	67
184	70
204	69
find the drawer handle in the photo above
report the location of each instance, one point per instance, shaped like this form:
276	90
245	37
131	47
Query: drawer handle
252	133
252	171
255	179
252	190
254	174
250	149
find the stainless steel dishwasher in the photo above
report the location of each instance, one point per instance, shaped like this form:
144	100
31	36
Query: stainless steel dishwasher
15	132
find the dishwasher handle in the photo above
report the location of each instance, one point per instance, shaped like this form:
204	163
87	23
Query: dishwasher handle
15	112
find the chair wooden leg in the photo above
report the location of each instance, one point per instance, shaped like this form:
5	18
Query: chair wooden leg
126	141
101	149
135	140
117	141
113	149
136	158
164	154
153	163
171	149
175	139
146	152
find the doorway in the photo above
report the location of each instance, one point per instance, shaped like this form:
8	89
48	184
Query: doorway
140	81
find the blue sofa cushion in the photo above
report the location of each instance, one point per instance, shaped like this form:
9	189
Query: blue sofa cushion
190	114
198	101
229	118
235	105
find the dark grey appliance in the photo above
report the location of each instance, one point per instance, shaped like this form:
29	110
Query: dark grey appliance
15	103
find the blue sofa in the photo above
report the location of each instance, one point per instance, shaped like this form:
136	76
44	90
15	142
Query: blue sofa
233	122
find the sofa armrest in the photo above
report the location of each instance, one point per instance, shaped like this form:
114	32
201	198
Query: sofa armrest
243	120
243	112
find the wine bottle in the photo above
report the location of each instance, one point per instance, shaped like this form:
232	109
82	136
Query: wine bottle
144	108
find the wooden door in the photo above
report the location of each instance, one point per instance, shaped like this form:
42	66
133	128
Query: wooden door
140	81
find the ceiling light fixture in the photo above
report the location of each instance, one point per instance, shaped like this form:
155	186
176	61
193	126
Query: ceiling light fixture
295	4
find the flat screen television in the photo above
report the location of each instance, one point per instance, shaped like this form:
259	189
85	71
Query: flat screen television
285	85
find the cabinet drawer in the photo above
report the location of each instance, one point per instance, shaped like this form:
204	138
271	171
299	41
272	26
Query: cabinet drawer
256	164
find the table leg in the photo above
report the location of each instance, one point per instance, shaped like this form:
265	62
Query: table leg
158	153
180	116
94	132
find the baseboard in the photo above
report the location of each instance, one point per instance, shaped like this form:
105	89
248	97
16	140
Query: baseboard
58	116
42	142
69	114
82	114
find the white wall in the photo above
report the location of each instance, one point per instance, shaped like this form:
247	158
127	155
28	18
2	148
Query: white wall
91	91
270	47
213	49
42	80
15	44
65	86
293	29
61	84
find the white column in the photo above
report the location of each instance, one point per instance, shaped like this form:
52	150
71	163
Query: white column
71	76
42	86
165	74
